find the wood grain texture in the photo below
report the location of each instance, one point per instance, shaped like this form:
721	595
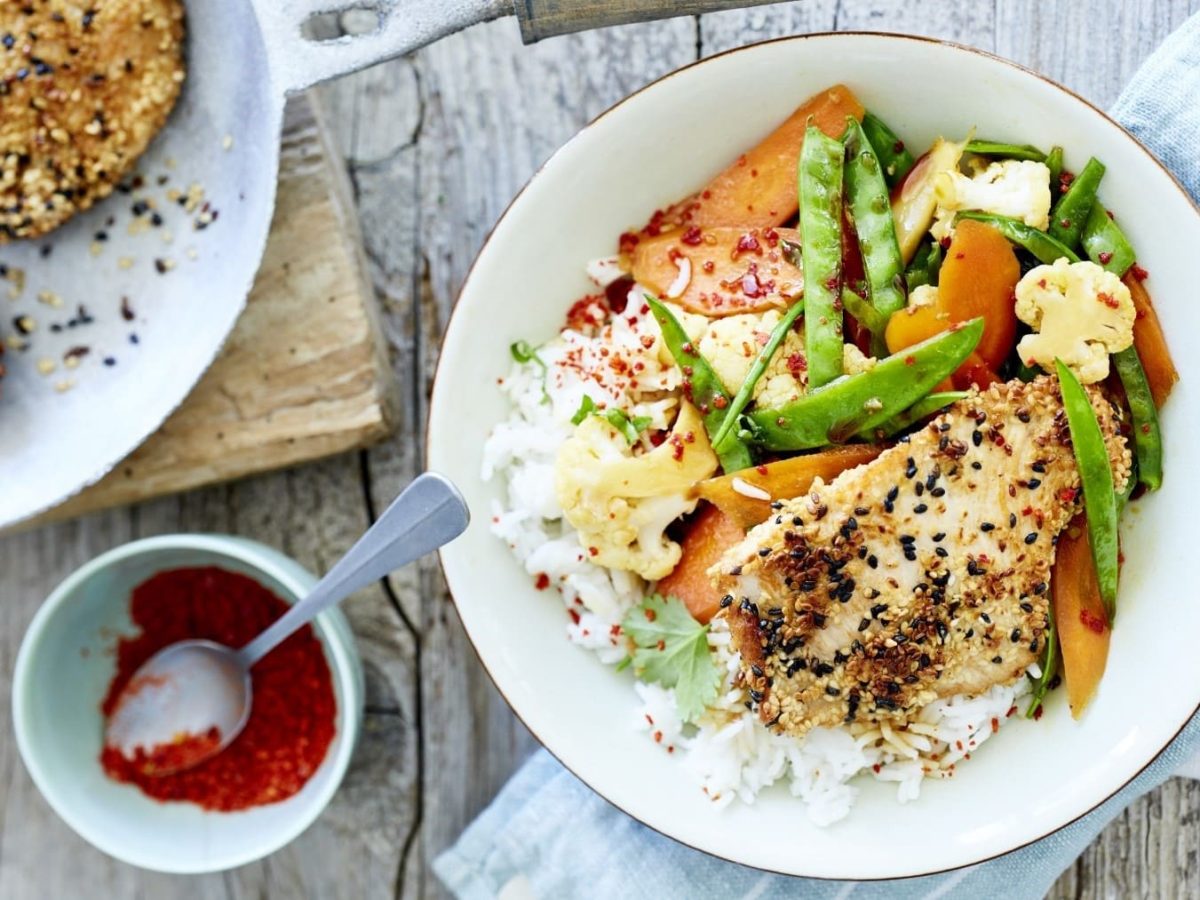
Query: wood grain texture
304	374
541	19
437	144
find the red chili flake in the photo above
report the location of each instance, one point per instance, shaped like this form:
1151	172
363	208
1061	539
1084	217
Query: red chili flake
831	282
747	243
595	551
754	173
910	360
1065	223
1105	257
1108	300
1011	711
741	160
771	236
1092	621
706	195
1068	495
692	237
615	630
542	581
1037	713
1146	428
292	722
876	767
960	256
676	447
574	616
708	267
627	241
995	725
658	734
761	470
616	293
1138	272
654	226
945	242
1041	282
690	437
720	402
796	363
657	438
651	615
587	312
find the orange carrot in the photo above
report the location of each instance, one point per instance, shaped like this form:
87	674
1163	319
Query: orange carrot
1079	616
1151	343
709	534
781	480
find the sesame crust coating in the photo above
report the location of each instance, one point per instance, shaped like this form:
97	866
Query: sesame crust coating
84	88
920	575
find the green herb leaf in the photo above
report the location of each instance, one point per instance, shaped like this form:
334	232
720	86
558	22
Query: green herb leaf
586	407
671	648
525	352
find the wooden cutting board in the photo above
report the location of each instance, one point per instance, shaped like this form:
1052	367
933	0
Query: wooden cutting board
305	372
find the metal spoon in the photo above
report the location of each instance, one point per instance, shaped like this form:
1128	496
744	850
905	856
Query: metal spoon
192	687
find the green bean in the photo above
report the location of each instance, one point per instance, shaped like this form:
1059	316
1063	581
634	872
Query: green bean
1054	162
1105	243
925	266
893	155
868	316
1147	436
920	410
1005	151
858	404
871	212
820	181
703	387
1107	246
1044	248
1071	211
1049	670
1095	471
746	391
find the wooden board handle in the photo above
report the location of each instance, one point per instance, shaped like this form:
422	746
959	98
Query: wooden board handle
547	18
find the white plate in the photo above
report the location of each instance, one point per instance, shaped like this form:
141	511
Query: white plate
660	144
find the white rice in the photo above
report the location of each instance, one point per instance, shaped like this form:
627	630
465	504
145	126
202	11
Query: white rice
730	753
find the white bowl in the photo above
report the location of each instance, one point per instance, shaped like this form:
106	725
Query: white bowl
662	143
63	671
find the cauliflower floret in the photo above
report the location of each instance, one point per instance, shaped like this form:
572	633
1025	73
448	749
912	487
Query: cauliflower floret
855	362
693	324
1080	313
621	504
731	344
1017	188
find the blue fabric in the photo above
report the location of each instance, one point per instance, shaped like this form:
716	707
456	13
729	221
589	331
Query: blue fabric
565	841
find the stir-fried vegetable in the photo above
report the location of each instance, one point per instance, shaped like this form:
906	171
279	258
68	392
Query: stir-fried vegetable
914	200
709	533
1049	663
1095	472
1069	214
1054	162
1105	243
1151	343
1108	247
746	496
893	155
922	409
1003	150
820	178
704	386
864	313
858	404
872	216
617	418
1043	247
757	368
925	266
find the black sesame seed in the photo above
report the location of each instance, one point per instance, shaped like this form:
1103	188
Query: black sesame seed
873	561
864	624
911	470
986	618
1026	606
976	437
765	551
997	659
1038	467
1015	637
919	489
1012	520
920	508
756	696
893	493
726	600
907	539
133	339
941	551
1031	537
938	492
976	465
831	690
986	526
852	523
757	670
910	554
1033	483
861	510
1040	587
797	521
939	536
8	41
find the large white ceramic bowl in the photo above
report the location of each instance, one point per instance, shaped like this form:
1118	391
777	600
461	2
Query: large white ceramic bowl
63	671
659	145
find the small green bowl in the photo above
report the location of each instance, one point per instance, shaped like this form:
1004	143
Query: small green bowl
63	671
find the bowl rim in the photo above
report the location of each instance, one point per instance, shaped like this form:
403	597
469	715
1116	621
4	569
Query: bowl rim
467	281
345	668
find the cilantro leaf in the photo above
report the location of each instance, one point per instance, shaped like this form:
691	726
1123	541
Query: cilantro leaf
587	406
671	648
525	352
617	418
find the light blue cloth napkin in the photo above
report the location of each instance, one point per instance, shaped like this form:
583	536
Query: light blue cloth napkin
548	835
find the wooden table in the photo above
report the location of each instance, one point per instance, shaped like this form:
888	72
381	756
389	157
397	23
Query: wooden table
436	145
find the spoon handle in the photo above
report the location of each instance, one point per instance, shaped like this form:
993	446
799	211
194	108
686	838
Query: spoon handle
429	512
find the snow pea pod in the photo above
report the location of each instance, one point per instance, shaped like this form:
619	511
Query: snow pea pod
703	387
893	155
1071	211
746	391
915	413
1107	246
925	266
820	178
1044	248
858	404
1004	150
871	212
1099	495
1049	671
1105	243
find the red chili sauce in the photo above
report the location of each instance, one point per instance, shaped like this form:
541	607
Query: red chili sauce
292	720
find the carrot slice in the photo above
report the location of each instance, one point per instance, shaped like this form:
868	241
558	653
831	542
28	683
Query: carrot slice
781	480
709	534
978	278
1079	616
1151	343
719	271
759	188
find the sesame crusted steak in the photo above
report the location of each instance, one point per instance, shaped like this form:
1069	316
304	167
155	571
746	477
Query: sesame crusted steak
919	575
